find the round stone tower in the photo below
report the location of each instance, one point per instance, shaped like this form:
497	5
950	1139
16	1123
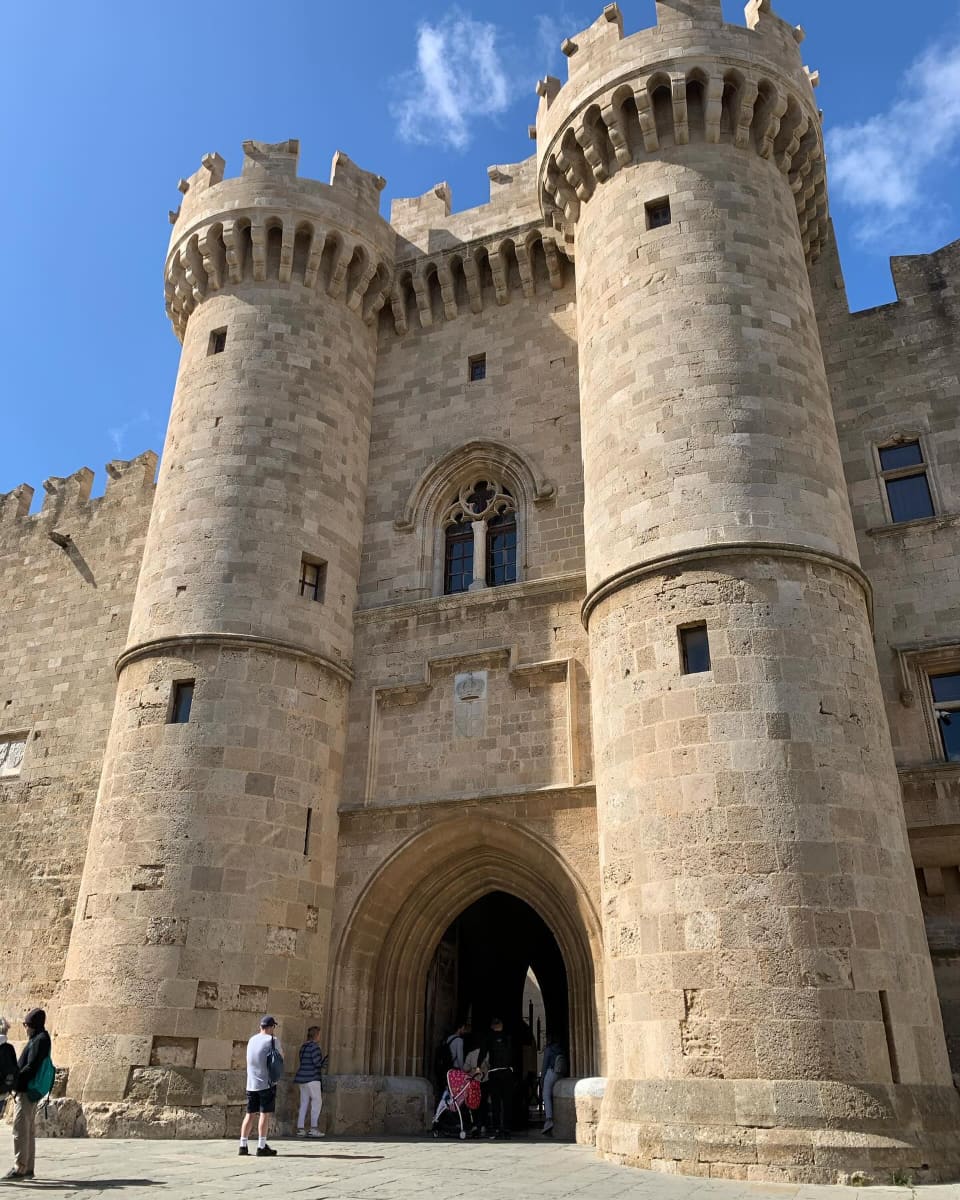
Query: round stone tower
207	894
770	1001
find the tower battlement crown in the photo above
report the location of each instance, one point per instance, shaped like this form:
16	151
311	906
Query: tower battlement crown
691	77
270	224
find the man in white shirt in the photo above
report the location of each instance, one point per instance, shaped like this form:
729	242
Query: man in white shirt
261	1090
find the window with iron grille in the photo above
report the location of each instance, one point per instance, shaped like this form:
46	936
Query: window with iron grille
313	578
658	213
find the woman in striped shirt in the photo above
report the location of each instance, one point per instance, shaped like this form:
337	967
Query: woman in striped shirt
308	1076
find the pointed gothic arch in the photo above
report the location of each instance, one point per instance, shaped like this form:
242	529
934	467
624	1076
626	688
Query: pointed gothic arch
377	1019
438	486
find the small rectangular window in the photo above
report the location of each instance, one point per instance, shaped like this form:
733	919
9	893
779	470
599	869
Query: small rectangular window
477	367
658	213
946	706
313	578
904	474
695	649
218	341
182	702
12	747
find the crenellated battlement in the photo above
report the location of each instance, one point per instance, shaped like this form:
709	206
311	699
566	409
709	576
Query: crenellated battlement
129	481
691	78
269	225
458	280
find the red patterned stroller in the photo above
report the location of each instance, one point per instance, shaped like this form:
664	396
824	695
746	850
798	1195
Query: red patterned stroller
462	1097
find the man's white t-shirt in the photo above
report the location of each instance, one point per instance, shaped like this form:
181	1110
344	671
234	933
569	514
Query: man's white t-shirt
258	1077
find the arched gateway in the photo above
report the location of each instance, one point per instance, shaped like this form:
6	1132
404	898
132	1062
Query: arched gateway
378	1013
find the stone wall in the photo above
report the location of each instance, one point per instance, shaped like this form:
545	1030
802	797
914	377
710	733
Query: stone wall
66	608
895	372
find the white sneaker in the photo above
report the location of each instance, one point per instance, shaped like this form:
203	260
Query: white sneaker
301	1133
316	1133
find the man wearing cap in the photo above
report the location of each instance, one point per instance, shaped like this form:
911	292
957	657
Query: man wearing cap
261	1090
25	1110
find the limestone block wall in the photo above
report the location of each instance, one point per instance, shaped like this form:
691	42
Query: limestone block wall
207	891
433	429
714	494
66	608
417	737
895	372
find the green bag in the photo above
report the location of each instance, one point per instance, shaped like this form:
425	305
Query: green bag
41	1084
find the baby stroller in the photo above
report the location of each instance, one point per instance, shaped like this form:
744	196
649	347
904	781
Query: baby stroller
460	1100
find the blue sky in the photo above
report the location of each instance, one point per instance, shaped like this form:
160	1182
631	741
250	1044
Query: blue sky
108	103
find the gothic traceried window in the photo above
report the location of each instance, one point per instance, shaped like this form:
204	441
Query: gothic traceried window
480	538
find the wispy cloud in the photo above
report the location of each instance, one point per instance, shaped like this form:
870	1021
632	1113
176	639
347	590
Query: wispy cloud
460	75
118	433
889	167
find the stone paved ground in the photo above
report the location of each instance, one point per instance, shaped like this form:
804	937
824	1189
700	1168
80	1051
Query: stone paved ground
368	1169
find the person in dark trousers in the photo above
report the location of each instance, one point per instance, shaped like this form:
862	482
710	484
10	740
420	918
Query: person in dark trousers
261	1090
497	1055
25	1110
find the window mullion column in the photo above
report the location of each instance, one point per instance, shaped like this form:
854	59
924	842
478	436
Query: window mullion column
479	556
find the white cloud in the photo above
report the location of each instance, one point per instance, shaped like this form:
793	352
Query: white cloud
459	76
889	168
118	433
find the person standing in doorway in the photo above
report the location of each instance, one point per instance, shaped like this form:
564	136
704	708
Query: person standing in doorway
34	1054
554	1067
498	1058
261	1089
308	1076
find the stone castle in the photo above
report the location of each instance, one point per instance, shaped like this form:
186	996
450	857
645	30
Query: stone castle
570	586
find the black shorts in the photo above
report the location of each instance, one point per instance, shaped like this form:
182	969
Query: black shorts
264	1101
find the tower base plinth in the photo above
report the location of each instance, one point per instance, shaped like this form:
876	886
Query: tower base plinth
787	1130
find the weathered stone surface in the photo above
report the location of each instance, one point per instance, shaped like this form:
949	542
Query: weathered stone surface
686	431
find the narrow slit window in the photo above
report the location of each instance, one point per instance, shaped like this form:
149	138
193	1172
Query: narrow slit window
182	702
477	367
658	213
694	649
904	473
945	690
313	578
306	832
218	341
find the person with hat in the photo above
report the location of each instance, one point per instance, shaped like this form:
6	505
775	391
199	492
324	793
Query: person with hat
261	1088
34	1053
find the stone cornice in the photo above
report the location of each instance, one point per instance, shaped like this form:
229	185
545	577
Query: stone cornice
573	582
165	645
690	559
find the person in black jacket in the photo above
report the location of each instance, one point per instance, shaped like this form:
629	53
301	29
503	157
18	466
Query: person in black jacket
25	1110
497	1057
8	1064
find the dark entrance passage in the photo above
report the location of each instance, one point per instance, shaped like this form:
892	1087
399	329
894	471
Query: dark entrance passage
494	951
